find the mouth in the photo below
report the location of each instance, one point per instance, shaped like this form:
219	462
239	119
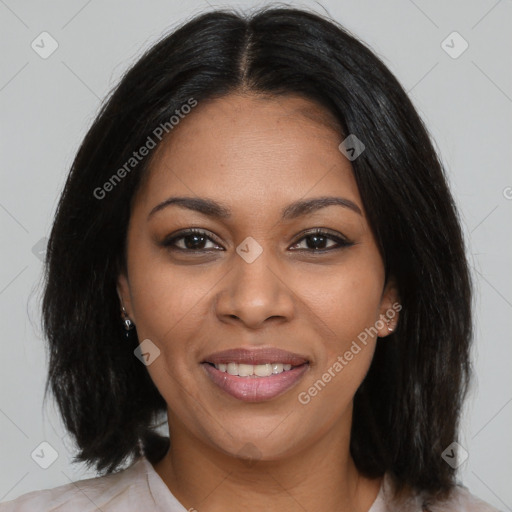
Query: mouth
255	375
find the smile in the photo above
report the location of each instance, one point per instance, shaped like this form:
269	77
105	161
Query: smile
255	375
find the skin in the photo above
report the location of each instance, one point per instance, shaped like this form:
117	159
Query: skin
256	155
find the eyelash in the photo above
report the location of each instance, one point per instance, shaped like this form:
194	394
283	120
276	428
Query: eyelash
342	243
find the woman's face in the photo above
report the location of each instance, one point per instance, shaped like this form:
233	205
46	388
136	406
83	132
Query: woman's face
256	280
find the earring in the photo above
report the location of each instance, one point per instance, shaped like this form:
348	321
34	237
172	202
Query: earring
128	324
390	329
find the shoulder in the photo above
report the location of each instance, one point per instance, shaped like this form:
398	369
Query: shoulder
108	493
460	499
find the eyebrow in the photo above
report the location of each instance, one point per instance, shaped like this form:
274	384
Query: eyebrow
216	210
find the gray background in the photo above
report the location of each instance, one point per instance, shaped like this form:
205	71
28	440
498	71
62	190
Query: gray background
47	105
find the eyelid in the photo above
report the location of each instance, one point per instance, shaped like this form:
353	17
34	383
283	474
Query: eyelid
323	231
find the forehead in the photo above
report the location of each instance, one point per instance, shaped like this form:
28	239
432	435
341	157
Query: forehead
254	152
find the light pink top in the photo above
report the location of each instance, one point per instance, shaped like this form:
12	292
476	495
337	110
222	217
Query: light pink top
139	488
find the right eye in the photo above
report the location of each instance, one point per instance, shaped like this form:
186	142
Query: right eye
191	240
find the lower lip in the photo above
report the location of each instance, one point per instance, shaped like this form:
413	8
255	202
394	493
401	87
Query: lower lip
255	389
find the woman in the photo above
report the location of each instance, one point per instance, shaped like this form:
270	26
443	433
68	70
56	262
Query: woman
256	239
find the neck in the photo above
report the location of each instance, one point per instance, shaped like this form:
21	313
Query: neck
321	476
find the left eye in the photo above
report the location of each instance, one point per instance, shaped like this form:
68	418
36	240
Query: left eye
318	241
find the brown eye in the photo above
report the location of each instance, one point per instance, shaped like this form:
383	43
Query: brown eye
318	240
190	241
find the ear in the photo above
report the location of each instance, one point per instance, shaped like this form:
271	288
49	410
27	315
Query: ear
123	291
389	309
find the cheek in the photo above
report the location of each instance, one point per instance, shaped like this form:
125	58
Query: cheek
345	307
354	306
346	302
344	313
167	300
167	304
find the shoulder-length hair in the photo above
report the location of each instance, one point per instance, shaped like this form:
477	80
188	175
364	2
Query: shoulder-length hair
406	411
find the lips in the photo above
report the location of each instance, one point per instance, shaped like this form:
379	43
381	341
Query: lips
254	388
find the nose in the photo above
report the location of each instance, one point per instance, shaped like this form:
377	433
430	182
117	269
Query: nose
254	294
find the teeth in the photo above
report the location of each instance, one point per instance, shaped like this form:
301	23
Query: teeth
277	367
232	369
259	370
245	370
263	370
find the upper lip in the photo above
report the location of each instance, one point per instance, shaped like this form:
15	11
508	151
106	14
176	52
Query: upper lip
254	356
